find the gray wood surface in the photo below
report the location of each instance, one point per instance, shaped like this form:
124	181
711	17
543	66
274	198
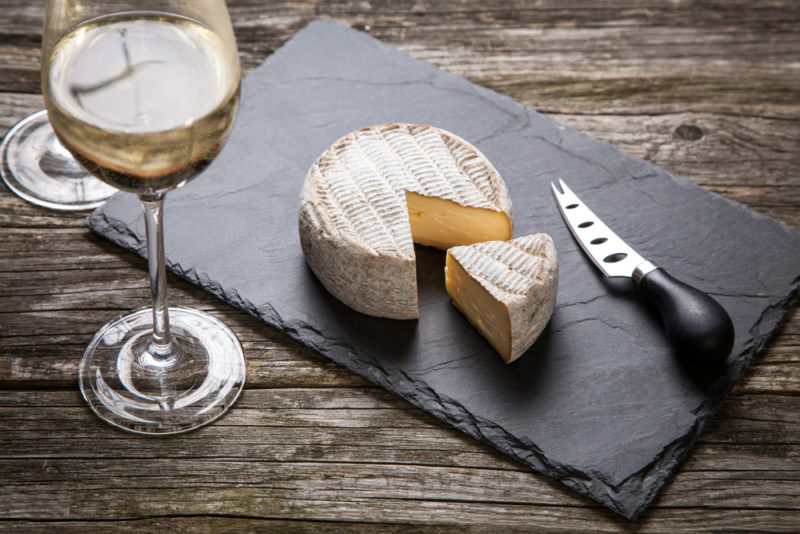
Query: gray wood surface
708	90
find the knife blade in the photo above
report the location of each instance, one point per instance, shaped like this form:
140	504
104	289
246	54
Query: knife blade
698	327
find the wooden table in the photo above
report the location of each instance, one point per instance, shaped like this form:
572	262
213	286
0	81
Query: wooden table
709	91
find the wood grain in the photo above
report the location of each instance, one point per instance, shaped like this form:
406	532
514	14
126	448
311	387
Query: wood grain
707	90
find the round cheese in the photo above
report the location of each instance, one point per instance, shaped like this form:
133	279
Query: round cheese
375	192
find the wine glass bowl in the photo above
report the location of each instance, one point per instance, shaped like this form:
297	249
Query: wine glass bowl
144	95
144	100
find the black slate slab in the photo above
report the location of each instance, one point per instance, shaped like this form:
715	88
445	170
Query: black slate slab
600	402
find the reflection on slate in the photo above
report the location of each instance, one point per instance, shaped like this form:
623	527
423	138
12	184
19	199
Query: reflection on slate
599	402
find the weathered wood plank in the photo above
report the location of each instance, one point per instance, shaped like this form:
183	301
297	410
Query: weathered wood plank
329	481
224	525
347	419
386	494
548	519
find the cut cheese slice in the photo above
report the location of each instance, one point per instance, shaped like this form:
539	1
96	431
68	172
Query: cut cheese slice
375	192
506	289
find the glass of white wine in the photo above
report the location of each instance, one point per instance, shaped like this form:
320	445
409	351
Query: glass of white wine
144	94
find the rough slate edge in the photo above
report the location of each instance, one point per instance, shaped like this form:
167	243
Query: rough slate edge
621	498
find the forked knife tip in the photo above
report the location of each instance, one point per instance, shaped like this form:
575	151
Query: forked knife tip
561	188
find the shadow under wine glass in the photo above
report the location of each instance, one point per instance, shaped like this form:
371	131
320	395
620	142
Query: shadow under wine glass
37	168
144	94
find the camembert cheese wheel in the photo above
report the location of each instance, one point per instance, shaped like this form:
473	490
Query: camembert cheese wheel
506	289
375	192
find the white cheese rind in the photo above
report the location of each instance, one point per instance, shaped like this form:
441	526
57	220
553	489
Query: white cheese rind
521	276
353	217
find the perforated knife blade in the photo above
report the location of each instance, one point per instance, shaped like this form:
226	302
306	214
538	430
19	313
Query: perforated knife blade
698	326
609	253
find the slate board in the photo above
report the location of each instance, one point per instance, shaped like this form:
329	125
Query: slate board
600	402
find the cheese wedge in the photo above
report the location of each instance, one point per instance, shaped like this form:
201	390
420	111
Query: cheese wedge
506	289
375	192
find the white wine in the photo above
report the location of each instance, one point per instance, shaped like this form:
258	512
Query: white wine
143	100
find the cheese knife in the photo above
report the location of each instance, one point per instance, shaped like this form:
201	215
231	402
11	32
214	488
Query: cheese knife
698	327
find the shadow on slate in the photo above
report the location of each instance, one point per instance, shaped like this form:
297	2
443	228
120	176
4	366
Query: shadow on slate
600	402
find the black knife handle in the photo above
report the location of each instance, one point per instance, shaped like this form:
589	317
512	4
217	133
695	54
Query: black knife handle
699	328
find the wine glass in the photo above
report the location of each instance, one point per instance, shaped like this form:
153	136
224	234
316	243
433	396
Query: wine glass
36	167
144	94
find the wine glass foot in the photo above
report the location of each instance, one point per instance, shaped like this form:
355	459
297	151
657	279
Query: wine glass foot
36	167
130	388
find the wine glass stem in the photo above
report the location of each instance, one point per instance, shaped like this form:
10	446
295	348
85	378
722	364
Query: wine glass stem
153	207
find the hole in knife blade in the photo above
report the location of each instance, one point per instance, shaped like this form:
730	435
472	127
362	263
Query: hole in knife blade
572	206
586	224
598	241
614	258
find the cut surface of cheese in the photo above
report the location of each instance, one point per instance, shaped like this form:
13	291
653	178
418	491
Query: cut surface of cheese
506	289
442	223
375	192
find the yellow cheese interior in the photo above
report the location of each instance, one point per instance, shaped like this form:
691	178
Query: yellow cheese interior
486	313
443	223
